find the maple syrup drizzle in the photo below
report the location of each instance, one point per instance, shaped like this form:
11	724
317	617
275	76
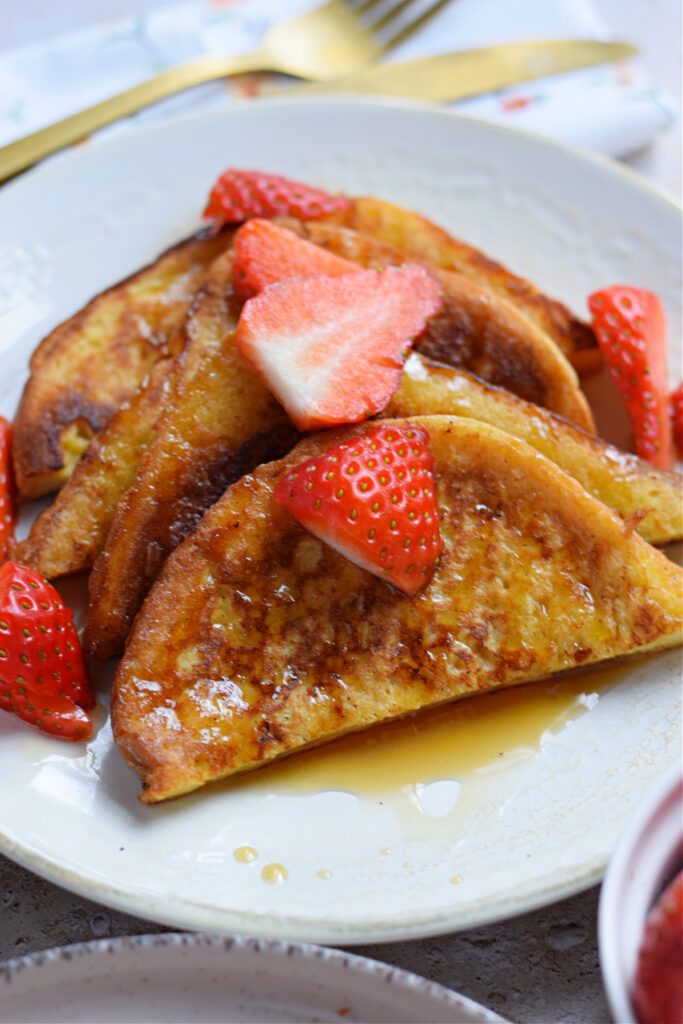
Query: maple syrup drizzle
481	734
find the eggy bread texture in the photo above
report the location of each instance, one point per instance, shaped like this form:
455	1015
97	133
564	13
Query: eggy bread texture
476	328
88	366
219	423
215	414
649	497
68	535
259	640
420	239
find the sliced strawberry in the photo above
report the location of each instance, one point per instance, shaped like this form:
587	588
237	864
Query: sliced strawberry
630	327
372	499
676	405
331	349
42	676
266	253
658	986
239	195
7	505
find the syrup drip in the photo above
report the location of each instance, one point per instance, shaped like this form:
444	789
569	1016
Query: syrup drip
274	874
245	854
482	734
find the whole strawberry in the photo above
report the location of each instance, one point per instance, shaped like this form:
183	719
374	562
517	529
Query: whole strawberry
7	507
239	195
372	499
42	676
631	330
658	987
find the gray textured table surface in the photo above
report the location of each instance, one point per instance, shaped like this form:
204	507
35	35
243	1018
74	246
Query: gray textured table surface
540	967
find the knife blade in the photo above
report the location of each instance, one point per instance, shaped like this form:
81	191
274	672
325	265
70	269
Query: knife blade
454	76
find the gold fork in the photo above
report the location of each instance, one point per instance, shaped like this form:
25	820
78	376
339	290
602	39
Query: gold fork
326	43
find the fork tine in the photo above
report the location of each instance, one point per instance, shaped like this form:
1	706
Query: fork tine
407	30
361	9
386	18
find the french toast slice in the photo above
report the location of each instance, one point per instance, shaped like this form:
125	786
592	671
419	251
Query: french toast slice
649	497
219	392
69	534
259	640
418	238
88	366
219	422
476	329
68	397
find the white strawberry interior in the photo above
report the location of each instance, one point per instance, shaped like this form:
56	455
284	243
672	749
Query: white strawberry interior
349	551
326	345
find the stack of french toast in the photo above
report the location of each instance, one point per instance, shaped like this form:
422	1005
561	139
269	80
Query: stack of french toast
244	637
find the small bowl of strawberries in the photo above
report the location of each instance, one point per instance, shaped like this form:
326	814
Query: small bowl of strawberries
640	925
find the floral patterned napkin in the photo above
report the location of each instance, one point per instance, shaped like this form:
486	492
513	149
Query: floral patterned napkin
611	108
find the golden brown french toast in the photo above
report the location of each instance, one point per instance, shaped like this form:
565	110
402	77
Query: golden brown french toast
651	498
221	410
123	330
83	371
219	422
259	640
69	535
92	363
476	329
420	239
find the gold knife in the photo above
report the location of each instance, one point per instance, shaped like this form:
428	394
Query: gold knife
442	78
455	76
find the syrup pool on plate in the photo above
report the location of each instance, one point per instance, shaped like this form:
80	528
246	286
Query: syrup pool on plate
430	761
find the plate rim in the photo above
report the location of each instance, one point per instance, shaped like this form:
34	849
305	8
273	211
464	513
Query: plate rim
607	164
274	948
189	913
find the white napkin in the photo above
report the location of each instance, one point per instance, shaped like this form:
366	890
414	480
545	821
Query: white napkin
611	108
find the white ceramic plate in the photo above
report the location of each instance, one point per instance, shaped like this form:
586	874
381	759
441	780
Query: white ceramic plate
201	978
523	803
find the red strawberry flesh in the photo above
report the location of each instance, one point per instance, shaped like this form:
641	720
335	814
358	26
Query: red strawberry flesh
266	253
372	498
331	349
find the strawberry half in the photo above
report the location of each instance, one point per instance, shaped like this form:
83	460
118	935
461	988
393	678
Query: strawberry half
331	349
630	327
239	195
7	505
658	986
42	676
676	406
266	253
372	499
